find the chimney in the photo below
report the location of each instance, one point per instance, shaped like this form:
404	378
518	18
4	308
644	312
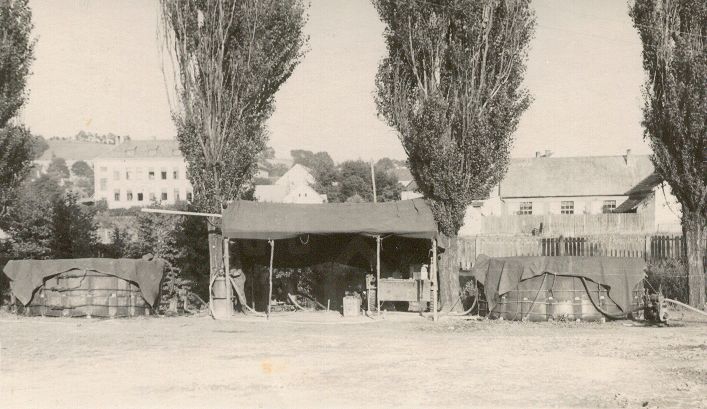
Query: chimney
628	158
548	153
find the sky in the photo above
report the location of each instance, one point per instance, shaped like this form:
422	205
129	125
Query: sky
98	68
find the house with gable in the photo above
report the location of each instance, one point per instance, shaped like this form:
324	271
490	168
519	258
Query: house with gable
547	191
295	186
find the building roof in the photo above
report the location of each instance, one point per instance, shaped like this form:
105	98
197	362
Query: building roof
263	221
164	148
575	176
73	150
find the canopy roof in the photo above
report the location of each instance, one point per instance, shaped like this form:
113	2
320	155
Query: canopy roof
274	221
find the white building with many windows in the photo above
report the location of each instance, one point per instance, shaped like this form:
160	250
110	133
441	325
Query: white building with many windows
140	173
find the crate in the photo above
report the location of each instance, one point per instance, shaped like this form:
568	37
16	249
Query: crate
352	306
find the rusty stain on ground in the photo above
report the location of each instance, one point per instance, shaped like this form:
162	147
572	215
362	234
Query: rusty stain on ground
269	367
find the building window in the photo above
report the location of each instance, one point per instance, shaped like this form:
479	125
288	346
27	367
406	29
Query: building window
129	196
189	196
176	195
567	207
103	169
116	195
139	197
164	196
608	206
152	196
116	175
151	174
175	174
103	182
128	173
138	174
526	208
164	174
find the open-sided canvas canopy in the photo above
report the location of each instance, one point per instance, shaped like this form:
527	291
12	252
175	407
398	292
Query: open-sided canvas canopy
275	221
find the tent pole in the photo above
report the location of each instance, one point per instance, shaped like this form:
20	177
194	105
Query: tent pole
272	254
378	275
434	279
227	270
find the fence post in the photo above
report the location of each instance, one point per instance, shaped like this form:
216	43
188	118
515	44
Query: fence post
647	249
561	240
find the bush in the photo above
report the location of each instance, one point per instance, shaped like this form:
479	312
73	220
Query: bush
671	277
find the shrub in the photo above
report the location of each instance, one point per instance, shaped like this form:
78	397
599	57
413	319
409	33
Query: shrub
670	276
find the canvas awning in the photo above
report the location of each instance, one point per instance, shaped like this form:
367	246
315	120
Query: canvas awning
275	221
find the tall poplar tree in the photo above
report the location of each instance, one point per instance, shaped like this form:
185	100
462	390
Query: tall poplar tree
451	87
674	37
229	58
16	56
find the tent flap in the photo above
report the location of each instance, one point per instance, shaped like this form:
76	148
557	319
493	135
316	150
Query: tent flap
275	221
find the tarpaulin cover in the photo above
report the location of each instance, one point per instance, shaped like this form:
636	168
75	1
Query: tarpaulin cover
28	275
500	275
263	221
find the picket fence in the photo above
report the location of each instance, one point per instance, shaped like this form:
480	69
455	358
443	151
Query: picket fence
648	247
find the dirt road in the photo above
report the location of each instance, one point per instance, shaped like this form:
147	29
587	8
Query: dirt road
321	363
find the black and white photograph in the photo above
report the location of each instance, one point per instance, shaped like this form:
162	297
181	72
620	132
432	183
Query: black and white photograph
353	204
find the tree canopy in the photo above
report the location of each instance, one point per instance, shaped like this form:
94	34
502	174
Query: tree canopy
451	86
674	37
16	56
230	57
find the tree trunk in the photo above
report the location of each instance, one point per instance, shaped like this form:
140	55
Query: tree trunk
694	225
215	257
449	287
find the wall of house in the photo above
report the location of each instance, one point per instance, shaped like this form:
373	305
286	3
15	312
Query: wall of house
553	205
667	210
302	194
131	181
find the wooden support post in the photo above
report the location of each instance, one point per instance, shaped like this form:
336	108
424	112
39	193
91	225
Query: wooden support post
272	254
227	270
378	275
433	277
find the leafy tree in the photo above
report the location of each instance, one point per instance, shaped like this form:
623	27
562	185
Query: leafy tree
29	221
278	169
85	182
82	169
322	166
356	180
16	56
73	231
385	164
39	146
674	37
267	153
15	162
230	57
451	86
57	168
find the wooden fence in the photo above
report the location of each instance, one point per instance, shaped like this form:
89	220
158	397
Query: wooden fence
648	247
568	224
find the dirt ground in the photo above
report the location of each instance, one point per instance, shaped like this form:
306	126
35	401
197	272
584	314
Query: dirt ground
320	360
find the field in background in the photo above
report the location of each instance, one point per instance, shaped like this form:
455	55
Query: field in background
198	362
